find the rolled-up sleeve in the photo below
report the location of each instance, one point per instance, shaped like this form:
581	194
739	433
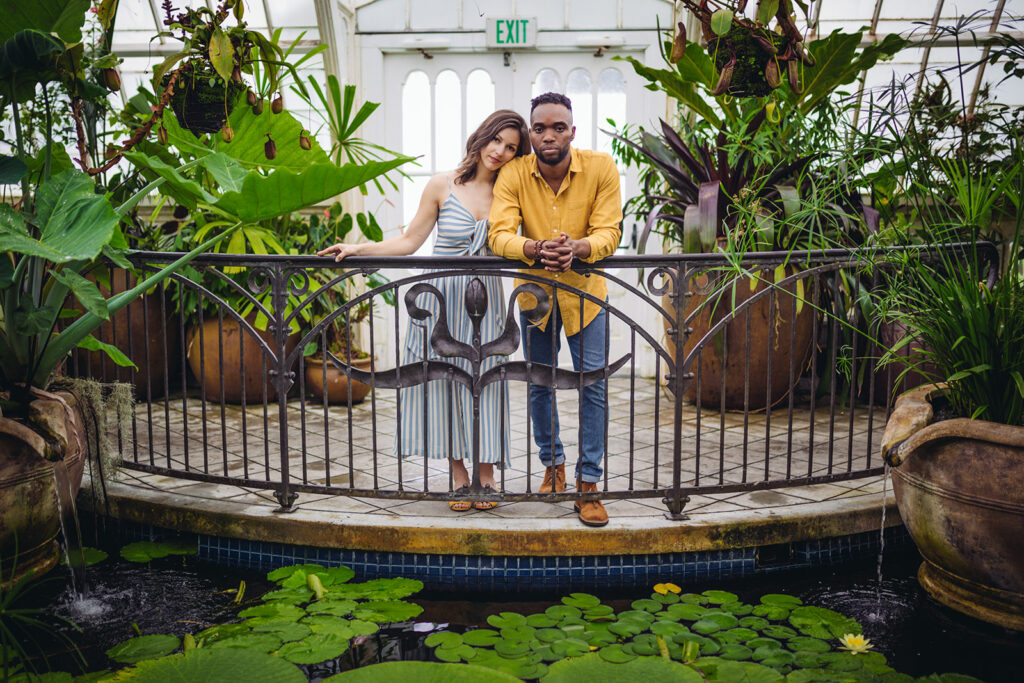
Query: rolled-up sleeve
605	226
505	218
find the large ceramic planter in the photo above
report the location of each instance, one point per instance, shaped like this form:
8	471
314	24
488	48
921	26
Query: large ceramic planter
337	383
145	331
959	485
40	458
243	372
773	335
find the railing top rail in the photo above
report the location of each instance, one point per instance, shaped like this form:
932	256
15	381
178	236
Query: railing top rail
617	261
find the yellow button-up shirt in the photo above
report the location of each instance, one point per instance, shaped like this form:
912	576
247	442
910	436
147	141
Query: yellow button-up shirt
588	206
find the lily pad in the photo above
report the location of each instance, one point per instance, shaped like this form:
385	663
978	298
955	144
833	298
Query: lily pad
808	644
779	658
390	589
90	556
338	608
781	599
599	638
734	651
336	575
422	672
257	642
144	551
599	612
720	597
443	639
144	647
559	612
282	573
512	649
215	666
292	596
363	628
764	642
541	621
274	611
550	635
779	631
667	628
645	644
714	621
569	647
518	634
693	598
481	637
738	609
627	628
771	612
647	605
736	635
615	654
387	611
324	623
755	623
215	633
638	615
823	623
581	600
688	611
592	667
507	620
287	631
666	598
748	672
313	649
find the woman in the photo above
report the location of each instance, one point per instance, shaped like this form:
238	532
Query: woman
457	202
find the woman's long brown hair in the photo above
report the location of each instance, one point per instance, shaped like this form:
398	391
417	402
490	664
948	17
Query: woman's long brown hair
485	132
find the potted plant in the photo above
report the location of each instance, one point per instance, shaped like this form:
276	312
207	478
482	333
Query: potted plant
326	356
53	232
957	444
206	75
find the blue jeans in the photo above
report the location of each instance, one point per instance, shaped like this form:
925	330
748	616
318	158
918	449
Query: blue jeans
542	347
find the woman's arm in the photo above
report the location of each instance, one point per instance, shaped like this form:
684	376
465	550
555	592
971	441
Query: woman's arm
420	227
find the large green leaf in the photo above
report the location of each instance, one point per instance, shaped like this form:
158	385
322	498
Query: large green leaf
591	668
75	222
62	17
683	87
423	672
183	190
838	63
143	647
283	191
228	665
12	169
313	649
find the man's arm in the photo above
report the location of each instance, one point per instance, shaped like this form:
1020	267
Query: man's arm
505	218
605	228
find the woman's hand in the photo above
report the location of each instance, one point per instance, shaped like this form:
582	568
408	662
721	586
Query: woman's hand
340	250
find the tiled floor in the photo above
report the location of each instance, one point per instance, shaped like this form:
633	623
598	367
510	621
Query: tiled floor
715	448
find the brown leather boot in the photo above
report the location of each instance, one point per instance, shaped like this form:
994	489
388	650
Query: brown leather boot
557	474
591	512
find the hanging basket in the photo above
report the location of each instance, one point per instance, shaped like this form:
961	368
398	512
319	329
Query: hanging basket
748	79
202	101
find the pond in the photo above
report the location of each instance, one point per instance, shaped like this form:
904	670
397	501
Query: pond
178	595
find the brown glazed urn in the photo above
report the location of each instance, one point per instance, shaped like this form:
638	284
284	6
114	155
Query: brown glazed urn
41	458
778	349
959	485
337	382
249	358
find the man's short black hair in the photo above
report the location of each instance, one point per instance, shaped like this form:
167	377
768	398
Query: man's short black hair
550	98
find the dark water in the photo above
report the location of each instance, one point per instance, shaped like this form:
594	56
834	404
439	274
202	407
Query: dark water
916	634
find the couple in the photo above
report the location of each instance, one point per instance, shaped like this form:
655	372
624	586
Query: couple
568	205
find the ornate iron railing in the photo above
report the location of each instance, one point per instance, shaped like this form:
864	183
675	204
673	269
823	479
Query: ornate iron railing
801	399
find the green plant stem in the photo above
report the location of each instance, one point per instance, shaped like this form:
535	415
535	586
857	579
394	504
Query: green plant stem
21	148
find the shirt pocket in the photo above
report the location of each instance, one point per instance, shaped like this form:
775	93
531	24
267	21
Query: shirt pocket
577	218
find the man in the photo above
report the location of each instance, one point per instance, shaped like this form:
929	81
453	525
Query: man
568	204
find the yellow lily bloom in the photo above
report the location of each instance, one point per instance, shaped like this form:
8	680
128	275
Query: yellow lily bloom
855	644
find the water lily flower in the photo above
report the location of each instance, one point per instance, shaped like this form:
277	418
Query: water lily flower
664	588
855	644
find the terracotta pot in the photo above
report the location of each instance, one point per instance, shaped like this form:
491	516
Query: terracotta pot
959	485
143	333
771	335
337	382
203	352
885	378
32	473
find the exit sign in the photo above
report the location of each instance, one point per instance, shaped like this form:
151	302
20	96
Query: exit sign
514	32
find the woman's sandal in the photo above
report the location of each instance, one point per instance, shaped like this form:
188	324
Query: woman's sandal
486	504
460	505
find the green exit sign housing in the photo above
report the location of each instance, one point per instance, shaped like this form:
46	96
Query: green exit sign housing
512	32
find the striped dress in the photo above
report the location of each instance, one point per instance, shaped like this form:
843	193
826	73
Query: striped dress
437	417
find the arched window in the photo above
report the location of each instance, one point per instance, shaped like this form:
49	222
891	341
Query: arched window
547	80
611	104
448	139
479	99
579	90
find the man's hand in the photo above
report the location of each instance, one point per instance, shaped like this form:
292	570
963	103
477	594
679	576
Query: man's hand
557	255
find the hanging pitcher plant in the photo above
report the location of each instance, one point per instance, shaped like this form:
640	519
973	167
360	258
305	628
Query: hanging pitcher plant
750	55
